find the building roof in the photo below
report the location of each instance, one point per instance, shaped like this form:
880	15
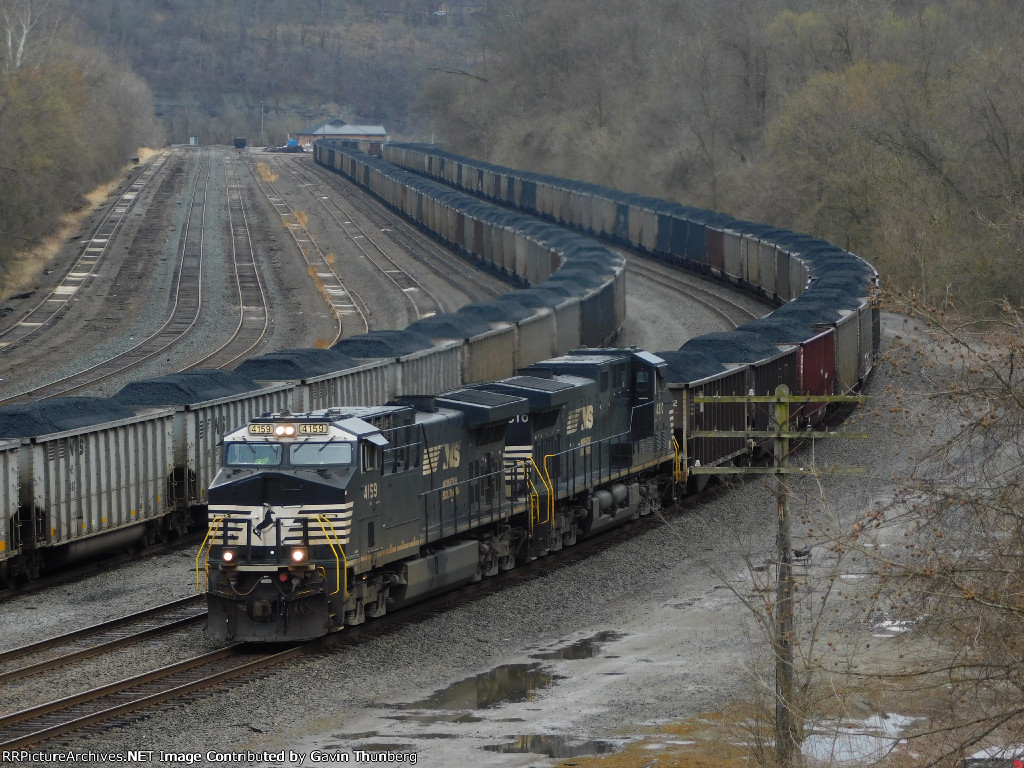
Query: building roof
340	128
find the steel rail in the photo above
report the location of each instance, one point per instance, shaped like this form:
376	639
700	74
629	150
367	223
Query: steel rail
30	726
253	307
706	297
184	314
342	302
405	235
99	638
55	302
325	200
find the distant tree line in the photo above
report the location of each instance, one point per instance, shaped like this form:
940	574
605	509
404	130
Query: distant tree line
892	128
267	68
69	120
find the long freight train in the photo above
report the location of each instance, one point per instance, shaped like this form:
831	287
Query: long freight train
65	488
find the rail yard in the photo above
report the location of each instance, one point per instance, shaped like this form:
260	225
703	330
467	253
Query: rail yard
377	274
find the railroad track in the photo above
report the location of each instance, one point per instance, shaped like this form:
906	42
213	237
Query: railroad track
347	306
125	697
424	249
253	307
86	643
55	302
695	289
422	302
186	301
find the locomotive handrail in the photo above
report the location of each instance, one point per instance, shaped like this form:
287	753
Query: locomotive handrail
604	469
535	496
447	496
206	565
549	484
677	464
337	562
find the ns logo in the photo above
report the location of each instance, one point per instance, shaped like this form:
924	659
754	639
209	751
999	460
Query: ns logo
442	457
580	419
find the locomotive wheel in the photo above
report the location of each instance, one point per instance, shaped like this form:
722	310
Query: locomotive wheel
378	607
491	569
651	504
358	616
555	541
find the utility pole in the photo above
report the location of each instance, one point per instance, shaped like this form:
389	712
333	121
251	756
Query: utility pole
788	718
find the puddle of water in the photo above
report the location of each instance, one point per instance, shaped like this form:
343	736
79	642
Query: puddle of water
867	741
581	649
434	719
554	746
507	684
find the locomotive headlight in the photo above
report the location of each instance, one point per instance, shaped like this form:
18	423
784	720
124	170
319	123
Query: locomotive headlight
228	557
284	430
299	555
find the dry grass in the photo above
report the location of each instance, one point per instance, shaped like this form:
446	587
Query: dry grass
739	735
265	173
24	269
709	740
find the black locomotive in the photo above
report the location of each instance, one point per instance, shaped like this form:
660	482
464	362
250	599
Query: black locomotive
321	519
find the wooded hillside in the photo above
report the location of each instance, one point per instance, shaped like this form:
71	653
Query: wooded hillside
224	68
70	119
892	128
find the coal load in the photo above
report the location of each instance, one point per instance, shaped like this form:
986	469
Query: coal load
186	387
59	414
450	327
383	344
295	364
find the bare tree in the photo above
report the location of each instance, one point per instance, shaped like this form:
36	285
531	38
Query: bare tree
27	28
954	569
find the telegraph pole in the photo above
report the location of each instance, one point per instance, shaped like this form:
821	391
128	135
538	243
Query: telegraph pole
788	720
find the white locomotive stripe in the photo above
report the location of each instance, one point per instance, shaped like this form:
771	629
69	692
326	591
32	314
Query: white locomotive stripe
292	509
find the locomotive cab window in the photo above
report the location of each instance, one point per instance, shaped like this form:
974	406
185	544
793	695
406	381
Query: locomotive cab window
621	376
643	382
320	454
371	457
253	454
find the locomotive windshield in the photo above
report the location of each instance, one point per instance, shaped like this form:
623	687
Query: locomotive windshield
253	454
299	454
320	454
